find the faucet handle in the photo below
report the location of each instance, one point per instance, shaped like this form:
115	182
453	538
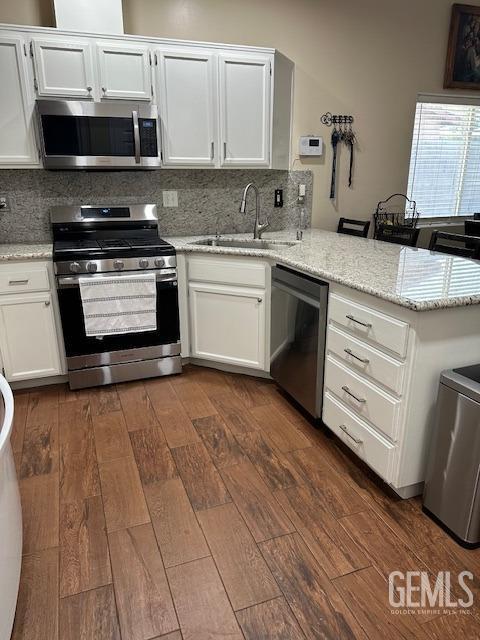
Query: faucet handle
262	227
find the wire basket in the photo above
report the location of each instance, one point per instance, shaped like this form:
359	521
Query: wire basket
396	211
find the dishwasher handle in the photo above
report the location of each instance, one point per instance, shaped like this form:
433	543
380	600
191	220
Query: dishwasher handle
302	286
296	293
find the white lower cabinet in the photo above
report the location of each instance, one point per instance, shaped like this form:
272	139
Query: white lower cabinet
229	313
228	324
28	336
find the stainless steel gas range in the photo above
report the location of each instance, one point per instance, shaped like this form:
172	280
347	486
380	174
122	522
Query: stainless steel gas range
94	241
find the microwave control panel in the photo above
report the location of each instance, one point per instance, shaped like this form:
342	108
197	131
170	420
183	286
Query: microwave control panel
148	137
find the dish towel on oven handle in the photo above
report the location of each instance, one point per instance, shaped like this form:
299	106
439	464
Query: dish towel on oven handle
119	304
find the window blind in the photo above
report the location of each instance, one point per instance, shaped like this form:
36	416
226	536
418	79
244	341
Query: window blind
444	176
424	276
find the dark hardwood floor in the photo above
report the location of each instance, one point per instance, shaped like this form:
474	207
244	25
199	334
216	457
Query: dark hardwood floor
204	506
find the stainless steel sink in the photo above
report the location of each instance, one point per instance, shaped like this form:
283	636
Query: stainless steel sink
244	244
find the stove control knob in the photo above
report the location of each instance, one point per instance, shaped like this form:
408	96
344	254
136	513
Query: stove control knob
143	263
159	262
118	264
75	267
91	267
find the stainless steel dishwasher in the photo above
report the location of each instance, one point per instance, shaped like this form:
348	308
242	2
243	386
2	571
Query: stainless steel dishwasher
299	320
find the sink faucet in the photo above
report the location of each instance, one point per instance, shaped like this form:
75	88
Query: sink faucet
258	229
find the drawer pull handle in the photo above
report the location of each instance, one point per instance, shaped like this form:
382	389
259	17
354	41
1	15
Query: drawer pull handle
350	353
18	281
347	390
345	430
364	324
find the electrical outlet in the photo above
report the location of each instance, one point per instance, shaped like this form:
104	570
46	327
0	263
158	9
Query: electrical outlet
170	198
4	204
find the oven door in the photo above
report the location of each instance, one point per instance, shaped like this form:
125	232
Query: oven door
83	351
86	135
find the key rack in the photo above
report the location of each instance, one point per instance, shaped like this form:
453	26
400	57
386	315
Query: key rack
328	119
342	133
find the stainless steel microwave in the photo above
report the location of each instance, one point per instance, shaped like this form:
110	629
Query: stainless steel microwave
89	135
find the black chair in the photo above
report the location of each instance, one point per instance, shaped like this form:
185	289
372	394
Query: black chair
398	234
353	227
455	244
472	227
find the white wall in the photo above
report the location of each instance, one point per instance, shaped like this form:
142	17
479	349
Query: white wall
369	58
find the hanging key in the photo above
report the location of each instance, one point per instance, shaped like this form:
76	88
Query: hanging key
349	139
335	139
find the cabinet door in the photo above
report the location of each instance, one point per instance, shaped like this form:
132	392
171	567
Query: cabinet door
28	337
125	71
63	68
17	137
188	108
245	110
228	324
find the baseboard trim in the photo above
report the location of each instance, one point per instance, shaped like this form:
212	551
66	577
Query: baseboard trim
228	368
38	382
409	491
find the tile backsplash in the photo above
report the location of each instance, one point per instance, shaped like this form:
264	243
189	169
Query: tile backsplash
208	200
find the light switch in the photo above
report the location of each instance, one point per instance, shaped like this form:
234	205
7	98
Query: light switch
170	198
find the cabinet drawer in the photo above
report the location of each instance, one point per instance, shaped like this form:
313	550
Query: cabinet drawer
364	398
364	322
366	360
242	273
24	278
368	445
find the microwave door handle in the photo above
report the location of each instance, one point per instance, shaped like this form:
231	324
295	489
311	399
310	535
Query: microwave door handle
136	136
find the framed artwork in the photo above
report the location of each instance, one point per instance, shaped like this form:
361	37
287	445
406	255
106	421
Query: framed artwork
462	69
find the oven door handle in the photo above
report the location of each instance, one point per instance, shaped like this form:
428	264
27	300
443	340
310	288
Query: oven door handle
136	136
74	281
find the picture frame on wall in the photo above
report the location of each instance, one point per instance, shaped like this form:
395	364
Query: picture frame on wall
462	70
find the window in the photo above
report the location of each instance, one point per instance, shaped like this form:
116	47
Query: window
444	176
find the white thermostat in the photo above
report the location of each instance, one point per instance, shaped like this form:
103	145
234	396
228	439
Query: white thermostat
310	146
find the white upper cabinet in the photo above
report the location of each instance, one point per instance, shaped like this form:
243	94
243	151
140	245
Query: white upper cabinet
220	106
64	68
17	139
124	71
245	114
188	107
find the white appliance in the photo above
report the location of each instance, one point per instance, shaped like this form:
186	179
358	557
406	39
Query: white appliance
10	517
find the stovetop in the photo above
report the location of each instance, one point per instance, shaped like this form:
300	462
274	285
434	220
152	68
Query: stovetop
106	248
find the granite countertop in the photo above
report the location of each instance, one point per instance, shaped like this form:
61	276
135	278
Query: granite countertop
25	252
413	278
